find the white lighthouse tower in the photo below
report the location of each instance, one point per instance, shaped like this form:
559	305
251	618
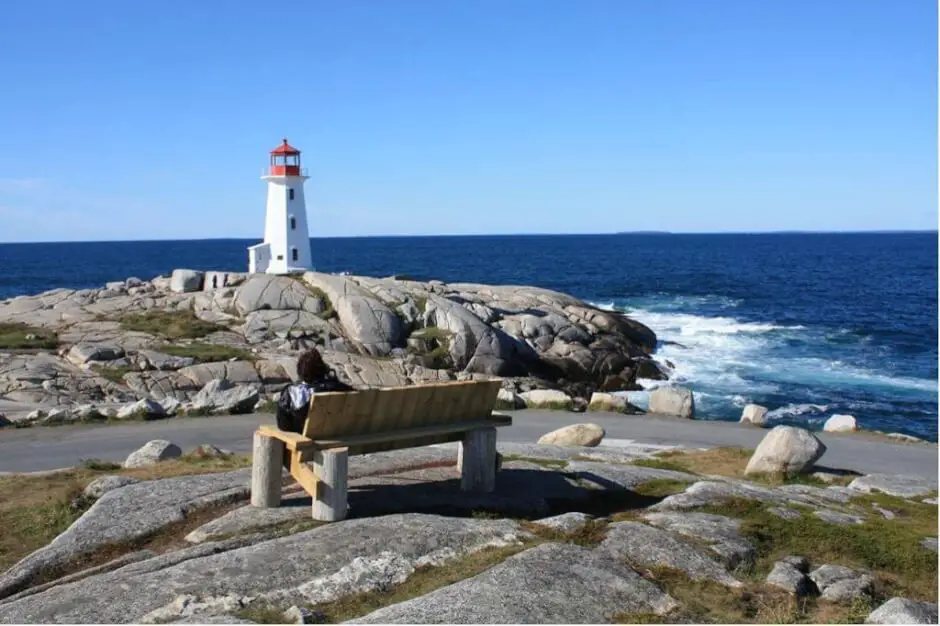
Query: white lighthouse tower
286	245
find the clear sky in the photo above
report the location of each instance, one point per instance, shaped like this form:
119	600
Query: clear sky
152	119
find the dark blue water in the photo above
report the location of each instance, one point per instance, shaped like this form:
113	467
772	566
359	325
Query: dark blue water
807	324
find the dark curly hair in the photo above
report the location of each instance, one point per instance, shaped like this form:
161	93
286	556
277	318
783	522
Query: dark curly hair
310	366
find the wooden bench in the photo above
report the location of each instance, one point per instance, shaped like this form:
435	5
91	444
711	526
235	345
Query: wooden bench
345	424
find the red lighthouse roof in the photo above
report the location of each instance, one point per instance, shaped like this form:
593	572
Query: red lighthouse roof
285	148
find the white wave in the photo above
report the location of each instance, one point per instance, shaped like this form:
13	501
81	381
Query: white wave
796	410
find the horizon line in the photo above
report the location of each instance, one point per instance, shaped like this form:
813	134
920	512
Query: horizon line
428	236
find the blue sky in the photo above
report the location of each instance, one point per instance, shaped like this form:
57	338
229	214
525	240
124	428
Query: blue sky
152	119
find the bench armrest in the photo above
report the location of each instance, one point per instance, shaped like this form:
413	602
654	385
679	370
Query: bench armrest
293	441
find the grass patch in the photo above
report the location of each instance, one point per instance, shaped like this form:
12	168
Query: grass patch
207	352
421	303
329	311
424	580
16	336
551	406
591	534
114	374
169	324
504	405
889	548
661	464
35	509
263	614
554	464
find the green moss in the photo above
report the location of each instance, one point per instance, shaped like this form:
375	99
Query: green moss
169	324
98	465
328	312
549	463
660	464
421	303
261	613
207	352
16	336
504	405
114	374
551	406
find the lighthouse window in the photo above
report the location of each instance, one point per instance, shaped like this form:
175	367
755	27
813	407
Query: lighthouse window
290	194
293	223
293	254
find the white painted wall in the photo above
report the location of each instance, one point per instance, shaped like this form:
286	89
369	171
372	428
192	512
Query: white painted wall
278	234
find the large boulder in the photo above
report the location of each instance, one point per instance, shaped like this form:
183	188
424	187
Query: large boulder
142	409
904	611
186	281
153	452
223	396
675	401
754	414
840	424
546	399
611	403
82	353
588	435
368	321
263	292
786	450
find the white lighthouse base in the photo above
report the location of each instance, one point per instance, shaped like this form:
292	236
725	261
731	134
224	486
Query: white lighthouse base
259	258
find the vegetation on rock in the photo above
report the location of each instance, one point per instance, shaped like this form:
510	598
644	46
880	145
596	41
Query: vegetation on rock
182	324
17	336
207	352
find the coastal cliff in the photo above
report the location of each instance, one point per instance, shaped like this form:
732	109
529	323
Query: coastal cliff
223	342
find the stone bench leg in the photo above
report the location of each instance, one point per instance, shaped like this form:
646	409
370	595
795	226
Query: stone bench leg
477	460
266	462
332	470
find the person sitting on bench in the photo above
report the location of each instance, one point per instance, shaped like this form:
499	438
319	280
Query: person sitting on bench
294	402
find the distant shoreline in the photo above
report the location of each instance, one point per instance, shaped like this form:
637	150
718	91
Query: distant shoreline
506	236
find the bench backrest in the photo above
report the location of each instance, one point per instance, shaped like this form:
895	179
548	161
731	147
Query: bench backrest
399	408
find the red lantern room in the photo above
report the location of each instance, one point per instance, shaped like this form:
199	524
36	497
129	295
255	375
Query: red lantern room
285	160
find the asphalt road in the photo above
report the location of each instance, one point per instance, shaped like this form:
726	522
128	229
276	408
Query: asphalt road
45	448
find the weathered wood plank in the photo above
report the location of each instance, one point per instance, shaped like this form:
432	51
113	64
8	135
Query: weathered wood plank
293	441
304	476
496	420
477	461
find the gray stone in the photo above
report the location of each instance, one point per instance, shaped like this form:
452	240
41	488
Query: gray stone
81	354
264	292
717	491
142	409
223	396
546	398
209	451
548	584
841	584
607	402
566	522
675	401
904	611
834	517
319	565
723	533
784	512
100	486
754	414
186	281
610	476
840	424
885	513
510	398
153	452
785	450
303	615
651	547
785	576
171	406
151	359
125	514
587	435
801	563
893	484
250	518
930	543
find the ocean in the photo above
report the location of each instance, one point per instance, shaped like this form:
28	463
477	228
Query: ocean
809	325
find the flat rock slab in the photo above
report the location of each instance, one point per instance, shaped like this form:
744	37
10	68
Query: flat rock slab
834	517
930	543
315	566
715	492
548	584
723	533
294	506
837	583
400	460
566	522
904	611
788	577
127	513
550	452
893	484
646	546
613	476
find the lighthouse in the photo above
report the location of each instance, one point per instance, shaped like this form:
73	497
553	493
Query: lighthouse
286	245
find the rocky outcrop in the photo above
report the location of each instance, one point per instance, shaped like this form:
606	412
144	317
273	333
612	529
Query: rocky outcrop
840	424
169	337
153	452
754	414
904	611
785	450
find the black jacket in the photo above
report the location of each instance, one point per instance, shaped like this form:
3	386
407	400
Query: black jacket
294	401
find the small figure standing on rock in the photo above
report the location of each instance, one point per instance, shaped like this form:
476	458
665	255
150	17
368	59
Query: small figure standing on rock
294	401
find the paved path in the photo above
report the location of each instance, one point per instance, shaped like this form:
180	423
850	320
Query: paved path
43	448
